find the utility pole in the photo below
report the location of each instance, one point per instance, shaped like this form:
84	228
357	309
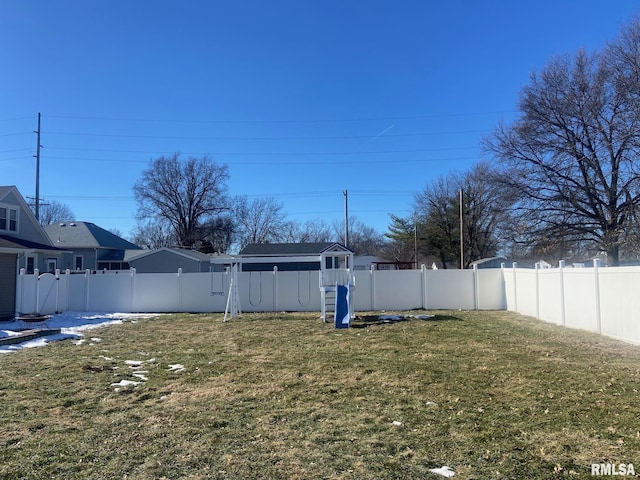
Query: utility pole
346	219
461	233
37	155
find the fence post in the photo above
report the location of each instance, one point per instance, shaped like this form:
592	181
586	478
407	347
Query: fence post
179	278
476	293
562	305
373	288
596	274
133	290
57	289
515	287
67	281
87	276
538	291
275	287
20	294
36	276
423	279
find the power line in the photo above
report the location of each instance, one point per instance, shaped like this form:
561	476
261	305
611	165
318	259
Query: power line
330	137
272	154
276	121
288	163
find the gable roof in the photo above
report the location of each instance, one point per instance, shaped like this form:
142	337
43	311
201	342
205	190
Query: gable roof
86	235
8	241
285	249
188	253
31	230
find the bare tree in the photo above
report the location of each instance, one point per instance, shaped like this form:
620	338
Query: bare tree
438	219
259	220
54	212
363	239
436	213
184	192
152	234
570	159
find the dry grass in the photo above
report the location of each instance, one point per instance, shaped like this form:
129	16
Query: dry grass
491	394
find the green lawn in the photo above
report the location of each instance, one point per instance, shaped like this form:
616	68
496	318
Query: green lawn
490	394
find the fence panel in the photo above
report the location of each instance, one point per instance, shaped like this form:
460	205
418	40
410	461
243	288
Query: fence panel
491	291
620	302
450	289
550	299
156	293
397	289
580	298
257	291
526	291
204	292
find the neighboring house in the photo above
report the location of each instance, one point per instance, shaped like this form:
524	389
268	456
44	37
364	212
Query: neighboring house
91	247
365	262
23	244
331	253
492	262
169	260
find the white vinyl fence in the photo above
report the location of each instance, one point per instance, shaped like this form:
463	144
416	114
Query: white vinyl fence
605	300
128	291
602	300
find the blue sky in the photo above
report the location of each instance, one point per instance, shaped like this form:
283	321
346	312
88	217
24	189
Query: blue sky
302	100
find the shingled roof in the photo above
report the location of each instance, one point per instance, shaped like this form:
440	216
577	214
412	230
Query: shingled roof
286	249
86	235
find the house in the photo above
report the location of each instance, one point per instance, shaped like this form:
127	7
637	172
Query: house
169	260
90	247
492	262
295	256
23	244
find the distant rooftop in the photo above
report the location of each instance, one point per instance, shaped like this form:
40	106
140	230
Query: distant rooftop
85	235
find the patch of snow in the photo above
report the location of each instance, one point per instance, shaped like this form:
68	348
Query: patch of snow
444	471
71	325
176	367
125	383
396	423
134	363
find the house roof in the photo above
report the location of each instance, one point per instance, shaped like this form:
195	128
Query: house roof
285	249
86	235
5	189
189	253
7	241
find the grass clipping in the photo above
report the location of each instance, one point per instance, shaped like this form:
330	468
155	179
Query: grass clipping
487	394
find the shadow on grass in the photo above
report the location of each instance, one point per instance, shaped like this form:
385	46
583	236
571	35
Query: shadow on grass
364	321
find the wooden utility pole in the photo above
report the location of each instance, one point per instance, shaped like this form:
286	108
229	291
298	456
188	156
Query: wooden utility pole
346	219
461	233
37	132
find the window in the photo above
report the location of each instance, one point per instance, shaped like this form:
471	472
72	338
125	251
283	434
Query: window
9	219
31	264
13	220
52	265
78	262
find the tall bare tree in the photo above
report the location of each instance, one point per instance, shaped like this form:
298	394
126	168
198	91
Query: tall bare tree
260	220
186	193
154	233
437	216
363	239
53	212
571	158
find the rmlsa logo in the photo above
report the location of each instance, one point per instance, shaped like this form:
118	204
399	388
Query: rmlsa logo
612	469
